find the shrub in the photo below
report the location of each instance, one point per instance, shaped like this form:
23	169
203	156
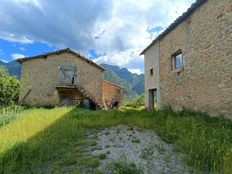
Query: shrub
9	88
136	102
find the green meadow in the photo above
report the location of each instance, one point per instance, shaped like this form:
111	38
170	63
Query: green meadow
39	140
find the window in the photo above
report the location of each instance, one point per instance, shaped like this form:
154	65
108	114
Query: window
177	61
67	74
151	72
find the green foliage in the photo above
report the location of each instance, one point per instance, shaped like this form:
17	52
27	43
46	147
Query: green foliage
102	156
123	167
93	162
9	88
9	113
136	102
53	139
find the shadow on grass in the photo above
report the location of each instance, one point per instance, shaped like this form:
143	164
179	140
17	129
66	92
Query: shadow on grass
60	148
59	144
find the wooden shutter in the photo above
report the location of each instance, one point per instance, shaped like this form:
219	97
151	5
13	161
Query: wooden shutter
67	74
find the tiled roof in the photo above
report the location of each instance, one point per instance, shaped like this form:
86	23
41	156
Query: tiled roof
67	50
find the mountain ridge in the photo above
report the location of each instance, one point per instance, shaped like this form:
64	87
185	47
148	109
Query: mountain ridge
133	83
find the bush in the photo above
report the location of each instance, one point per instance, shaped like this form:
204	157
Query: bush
9	88
136	102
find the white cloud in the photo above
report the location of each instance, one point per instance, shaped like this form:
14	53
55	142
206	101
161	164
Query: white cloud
22	48
15	38
134	70
17	56
117	29
2	60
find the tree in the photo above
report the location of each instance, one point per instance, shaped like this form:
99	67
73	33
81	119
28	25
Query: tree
9	87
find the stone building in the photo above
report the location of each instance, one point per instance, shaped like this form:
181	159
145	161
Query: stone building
62	77
189	65
112	91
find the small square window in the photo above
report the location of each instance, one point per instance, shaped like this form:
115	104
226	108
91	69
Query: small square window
151	72
177	61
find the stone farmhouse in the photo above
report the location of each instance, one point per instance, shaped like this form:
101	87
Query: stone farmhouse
189	65
65	77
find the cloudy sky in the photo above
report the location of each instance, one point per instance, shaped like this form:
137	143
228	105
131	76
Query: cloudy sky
106	31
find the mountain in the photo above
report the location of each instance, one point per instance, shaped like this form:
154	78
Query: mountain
2	63
14	68
132	83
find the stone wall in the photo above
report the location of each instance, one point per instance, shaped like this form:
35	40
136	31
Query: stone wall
42	76
205	39
111	91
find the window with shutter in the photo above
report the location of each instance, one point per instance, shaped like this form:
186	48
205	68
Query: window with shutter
67	74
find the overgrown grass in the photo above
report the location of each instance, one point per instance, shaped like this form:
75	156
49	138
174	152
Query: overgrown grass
123	167
54	139
8	114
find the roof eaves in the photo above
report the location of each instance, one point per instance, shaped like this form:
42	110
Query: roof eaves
67	50
114	84
178	21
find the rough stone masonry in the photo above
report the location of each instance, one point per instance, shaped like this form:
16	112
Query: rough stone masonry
205	40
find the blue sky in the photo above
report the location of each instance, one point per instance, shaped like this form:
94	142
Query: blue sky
103	30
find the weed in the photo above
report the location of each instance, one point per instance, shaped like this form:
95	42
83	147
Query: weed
69	160
146	153
93	162
130	129
8	114
93	143
107	133
123	167
135	140
102	156
99	171
107	146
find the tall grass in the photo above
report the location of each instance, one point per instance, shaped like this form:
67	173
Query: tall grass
9	113
52	139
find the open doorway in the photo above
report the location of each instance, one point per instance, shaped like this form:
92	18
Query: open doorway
152	99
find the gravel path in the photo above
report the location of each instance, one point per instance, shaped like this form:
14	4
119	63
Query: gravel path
142	147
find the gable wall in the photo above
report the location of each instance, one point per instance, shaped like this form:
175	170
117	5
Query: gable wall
151	82
42	77
110	92
206	42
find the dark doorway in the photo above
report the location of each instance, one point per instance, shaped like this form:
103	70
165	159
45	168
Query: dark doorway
67	97
152	99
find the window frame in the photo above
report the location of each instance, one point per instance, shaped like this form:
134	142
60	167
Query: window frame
173	61
63	77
